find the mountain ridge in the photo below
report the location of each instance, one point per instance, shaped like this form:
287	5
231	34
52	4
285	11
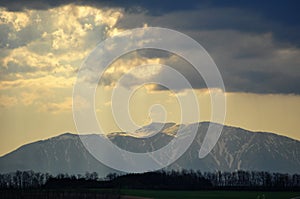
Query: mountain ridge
236	149
125	133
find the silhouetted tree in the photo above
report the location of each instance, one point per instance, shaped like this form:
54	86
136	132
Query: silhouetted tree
192	180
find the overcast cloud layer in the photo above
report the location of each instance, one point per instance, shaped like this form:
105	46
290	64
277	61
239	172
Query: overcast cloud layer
255	46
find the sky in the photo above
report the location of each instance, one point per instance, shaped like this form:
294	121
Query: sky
256	47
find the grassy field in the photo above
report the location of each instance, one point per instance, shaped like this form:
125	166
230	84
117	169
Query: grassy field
210	194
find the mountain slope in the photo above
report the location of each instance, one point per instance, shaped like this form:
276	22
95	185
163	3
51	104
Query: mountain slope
61	154
245	150
236	149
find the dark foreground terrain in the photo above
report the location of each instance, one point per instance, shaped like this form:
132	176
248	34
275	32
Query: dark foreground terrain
211	194
143	194
59	194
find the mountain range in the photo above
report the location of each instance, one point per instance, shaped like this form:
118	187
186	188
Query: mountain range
237	149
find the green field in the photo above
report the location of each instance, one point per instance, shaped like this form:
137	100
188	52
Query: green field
210	194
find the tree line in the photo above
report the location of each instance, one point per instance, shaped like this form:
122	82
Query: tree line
176	180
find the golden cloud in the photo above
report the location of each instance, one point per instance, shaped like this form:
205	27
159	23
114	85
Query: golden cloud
45	48
63	38
7	101
18	20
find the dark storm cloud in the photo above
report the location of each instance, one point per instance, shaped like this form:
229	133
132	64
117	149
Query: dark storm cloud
284	15
233	32
154	6
262	82
279	17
